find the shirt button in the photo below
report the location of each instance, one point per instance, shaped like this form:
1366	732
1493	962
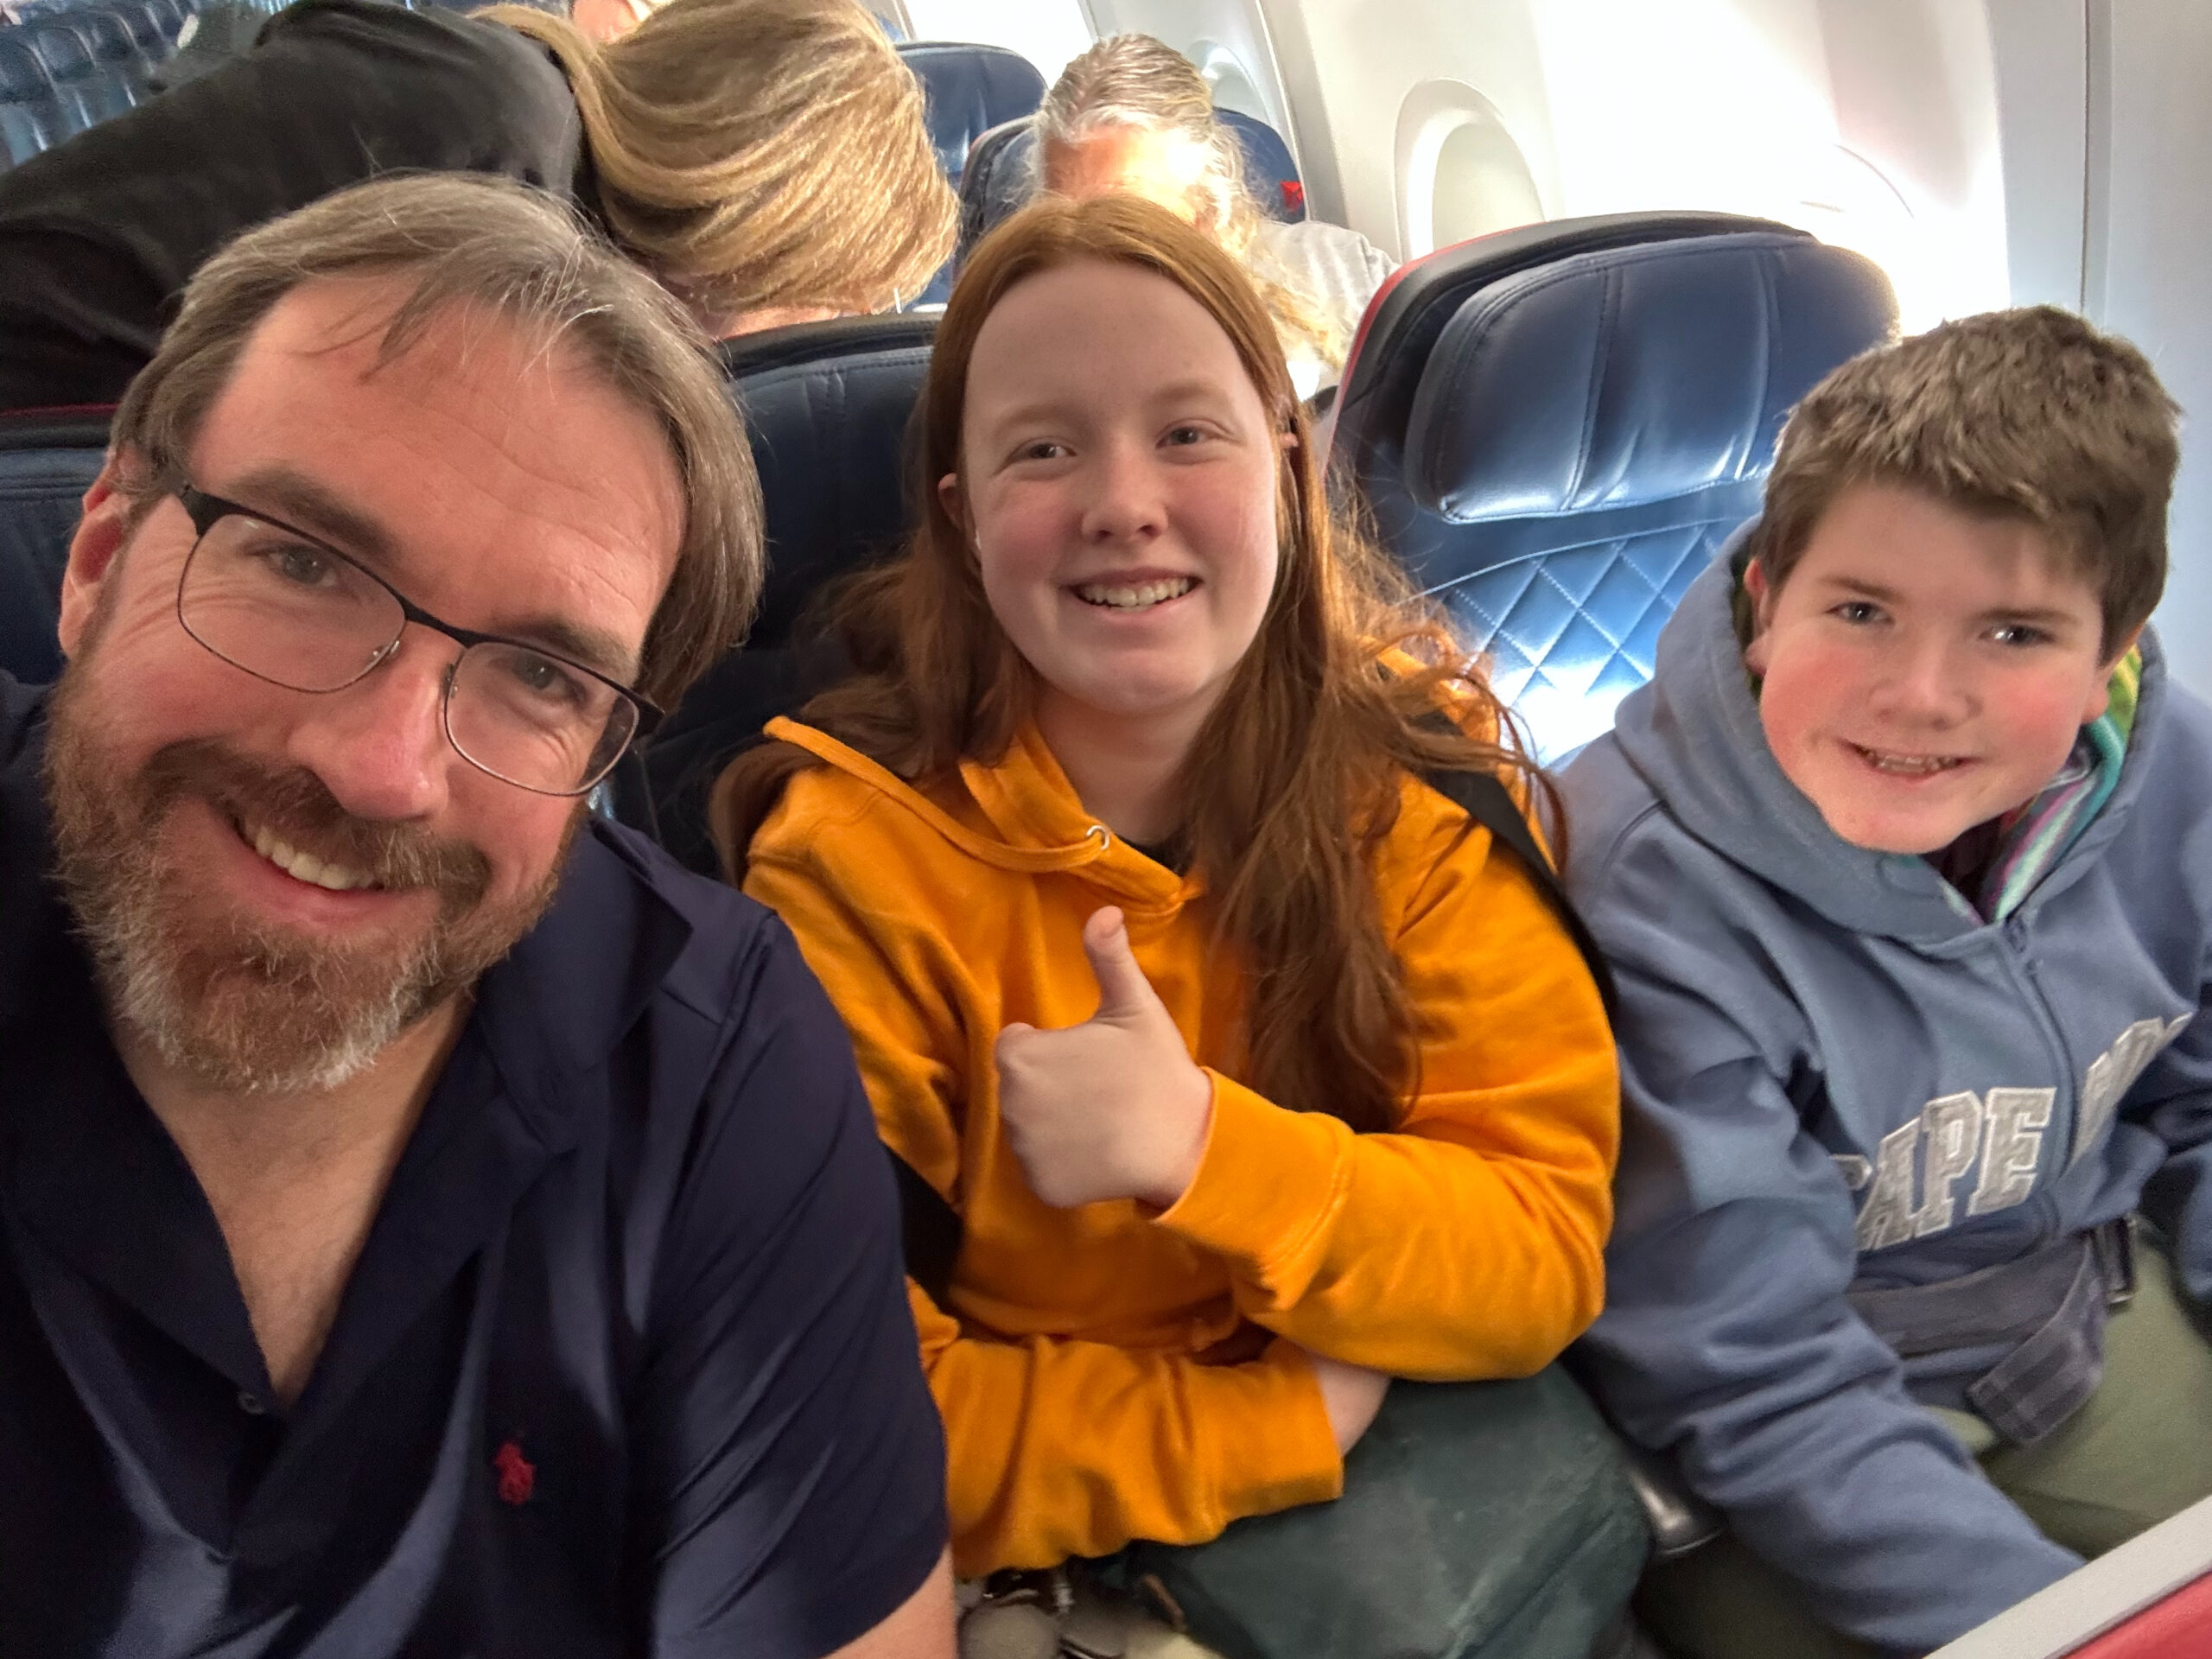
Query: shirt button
251	1404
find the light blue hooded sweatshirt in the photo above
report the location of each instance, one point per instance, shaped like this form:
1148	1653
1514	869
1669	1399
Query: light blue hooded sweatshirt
1836	1076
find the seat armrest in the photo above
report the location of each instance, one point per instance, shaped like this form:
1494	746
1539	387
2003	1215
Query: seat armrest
1681	1520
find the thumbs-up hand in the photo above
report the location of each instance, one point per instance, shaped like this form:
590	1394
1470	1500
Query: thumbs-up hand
1113	1107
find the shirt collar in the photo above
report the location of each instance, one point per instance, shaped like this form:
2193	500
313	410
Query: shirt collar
581	978
91	1169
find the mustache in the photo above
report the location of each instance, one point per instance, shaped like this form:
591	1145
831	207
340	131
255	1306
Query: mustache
295	804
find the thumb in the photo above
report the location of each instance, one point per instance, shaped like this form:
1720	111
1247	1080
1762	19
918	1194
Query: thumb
1007	1050
1123	991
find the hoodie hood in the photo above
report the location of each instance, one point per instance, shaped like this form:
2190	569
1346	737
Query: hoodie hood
1019	813
1694	738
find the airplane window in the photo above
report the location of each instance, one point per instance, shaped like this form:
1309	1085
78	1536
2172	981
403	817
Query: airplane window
1482	183
1807	113
1853	205
1233	89
1047	32
1460	172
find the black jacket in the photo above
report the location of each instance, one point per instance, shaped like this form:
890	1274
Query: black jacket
99	235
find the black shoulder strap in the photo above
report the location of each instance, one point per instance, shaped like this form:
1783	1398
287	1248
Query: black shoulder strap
932	1228
1489	803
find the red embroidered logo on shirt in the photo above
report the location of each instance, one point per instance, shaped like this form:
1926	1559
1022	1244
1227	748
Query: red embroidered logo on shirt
1294	195
517	1474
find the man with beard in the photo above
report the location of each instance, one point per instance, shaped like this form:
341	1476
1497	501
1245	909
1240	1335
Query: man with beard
430	1224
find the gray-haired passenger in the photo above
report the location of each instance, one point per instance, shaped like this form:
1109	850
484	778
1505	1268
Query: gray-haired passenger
1133	115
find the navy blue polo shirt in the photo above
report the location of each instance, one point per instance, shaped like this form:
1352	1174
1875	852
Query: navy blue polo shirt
626	1366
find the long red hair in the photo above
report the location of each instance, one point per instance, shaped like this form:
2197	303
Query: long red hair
1293	781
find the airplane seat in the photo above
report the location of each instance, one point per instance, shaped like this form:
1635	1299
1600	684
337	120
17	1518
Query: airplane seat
169	15
83	95
122	68
29	115
1555	428
92	53
49	458
147	26
827	406
969	90
1270	171
1001	175
997	180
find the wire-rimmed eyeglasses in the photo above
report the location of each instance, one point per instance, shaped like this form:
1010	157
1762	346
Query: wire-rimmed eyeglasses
289	608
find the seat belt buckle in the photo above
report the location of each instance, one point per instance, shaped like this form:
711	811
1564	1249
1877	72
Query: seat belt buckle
2114	1244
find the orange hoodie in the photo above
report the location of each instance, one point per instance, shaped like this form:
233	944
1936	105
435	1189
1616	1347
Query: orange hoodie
1084	1363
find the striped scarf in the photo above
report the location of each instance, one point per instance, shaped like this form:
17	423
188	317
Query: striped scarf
2030	839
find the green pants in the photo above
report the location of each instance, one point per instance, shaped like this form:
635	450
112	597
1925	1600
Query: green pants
1478	1520
2137	1452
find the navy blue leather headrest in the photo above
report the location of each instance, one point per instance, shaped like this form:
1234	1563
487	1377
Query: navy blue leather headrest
22	77
107	36
827	406
1623	377
144	24
998	180
60	47
1553	428
969	89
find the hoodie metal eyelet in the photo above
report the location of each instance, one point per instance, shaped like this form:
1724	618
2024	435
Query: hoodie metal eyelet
1105	836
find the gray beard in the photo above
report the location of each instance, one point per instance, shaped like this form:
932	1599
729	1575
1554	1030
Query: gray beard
233	1005
241	1015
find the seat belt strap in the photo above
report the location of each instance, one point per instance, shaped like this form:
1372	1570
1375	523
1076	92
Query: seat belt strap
932	1228
1490	804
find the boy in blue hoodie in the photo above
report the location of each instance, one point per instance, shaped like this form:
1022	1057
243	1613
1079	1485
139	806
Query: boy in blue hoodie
1903	861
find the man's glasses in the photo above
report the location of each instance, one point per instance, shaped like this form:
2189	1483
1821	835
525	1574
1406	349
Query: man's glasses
293	610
